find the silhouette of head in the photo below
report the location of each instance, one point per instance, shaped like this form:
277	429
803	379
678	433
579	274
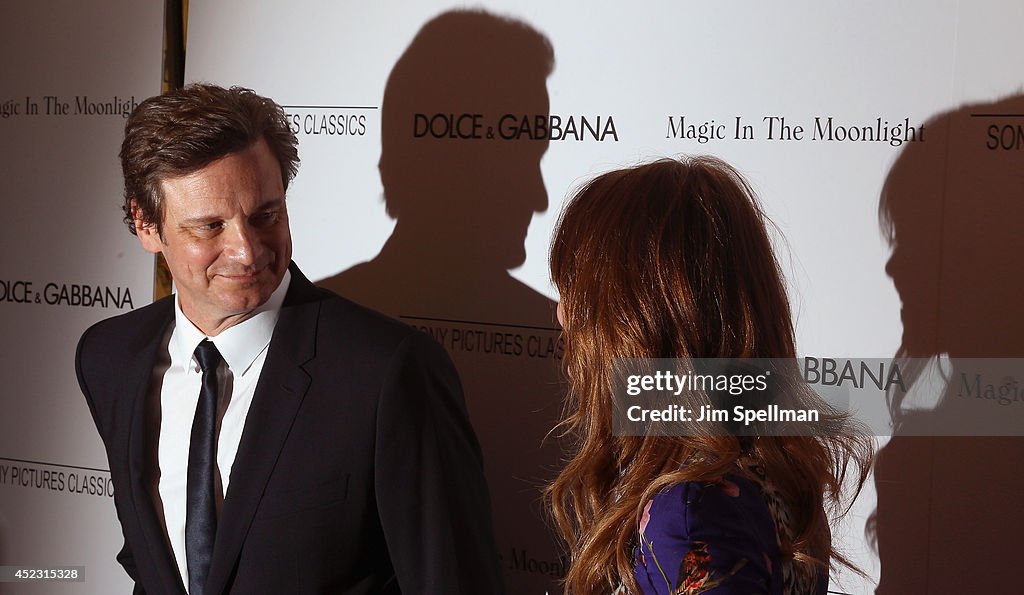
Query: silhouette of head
952	210
462	72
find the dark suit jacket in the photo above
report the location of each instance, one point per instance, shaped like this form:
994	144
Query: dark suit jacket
357	470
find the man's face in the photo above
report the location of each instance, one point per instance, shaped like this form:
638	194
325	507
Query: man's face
225	236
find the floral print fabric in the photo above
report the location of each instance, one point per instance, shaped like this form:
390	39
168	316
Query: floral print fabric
719	538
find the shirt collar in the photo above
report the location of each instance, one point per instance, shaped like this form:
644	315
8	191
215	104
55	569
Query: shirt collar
240	344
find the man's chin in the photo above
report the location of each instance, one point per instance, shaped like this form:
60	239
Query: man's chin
246	299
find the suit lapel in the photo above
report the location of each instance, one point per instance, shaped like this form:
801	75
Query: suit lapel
140	454
279	394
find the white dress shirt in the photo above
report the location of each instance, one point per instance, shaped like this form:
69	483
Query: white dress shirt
177	382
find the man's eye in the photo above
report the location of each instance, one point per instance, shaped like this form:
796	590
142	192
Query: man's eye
214	226
268	218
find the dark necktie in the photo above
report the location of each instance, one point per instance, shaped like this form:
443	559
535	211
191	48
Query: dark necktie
201	504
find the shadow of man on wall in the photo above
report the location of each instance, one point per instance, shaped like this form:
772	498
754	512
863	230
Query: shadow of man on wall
463	196
950	483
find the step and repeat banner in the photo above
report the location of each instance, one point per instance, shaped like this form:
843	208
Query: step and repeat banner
438	144
72	72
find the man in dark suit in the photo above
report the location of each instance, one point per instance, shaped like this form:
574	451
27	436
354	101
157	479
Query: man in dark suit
264	435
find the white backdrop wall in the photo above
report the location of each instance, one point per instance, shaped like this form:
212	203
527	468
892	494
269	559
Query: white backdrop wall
71	71
451	234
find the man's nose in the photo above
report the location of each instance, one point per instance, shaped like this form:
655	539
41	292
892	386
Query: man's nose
243	245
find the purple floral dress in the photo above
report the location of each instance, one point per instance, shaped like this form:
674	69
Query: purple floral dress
718	538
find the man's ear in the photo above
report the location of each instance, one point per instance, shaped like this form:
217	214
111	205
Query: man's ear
148	234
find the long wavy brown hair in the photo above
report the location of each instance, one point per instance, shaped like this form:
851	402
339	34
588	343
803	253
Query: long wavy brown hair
672	259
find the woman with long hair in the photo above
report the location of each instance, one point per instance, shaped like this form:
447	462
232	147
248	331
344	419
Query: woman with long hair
672	259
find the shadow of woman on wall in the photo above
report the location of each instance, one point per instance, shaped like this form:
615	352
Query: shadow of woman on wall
950	482
463	197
